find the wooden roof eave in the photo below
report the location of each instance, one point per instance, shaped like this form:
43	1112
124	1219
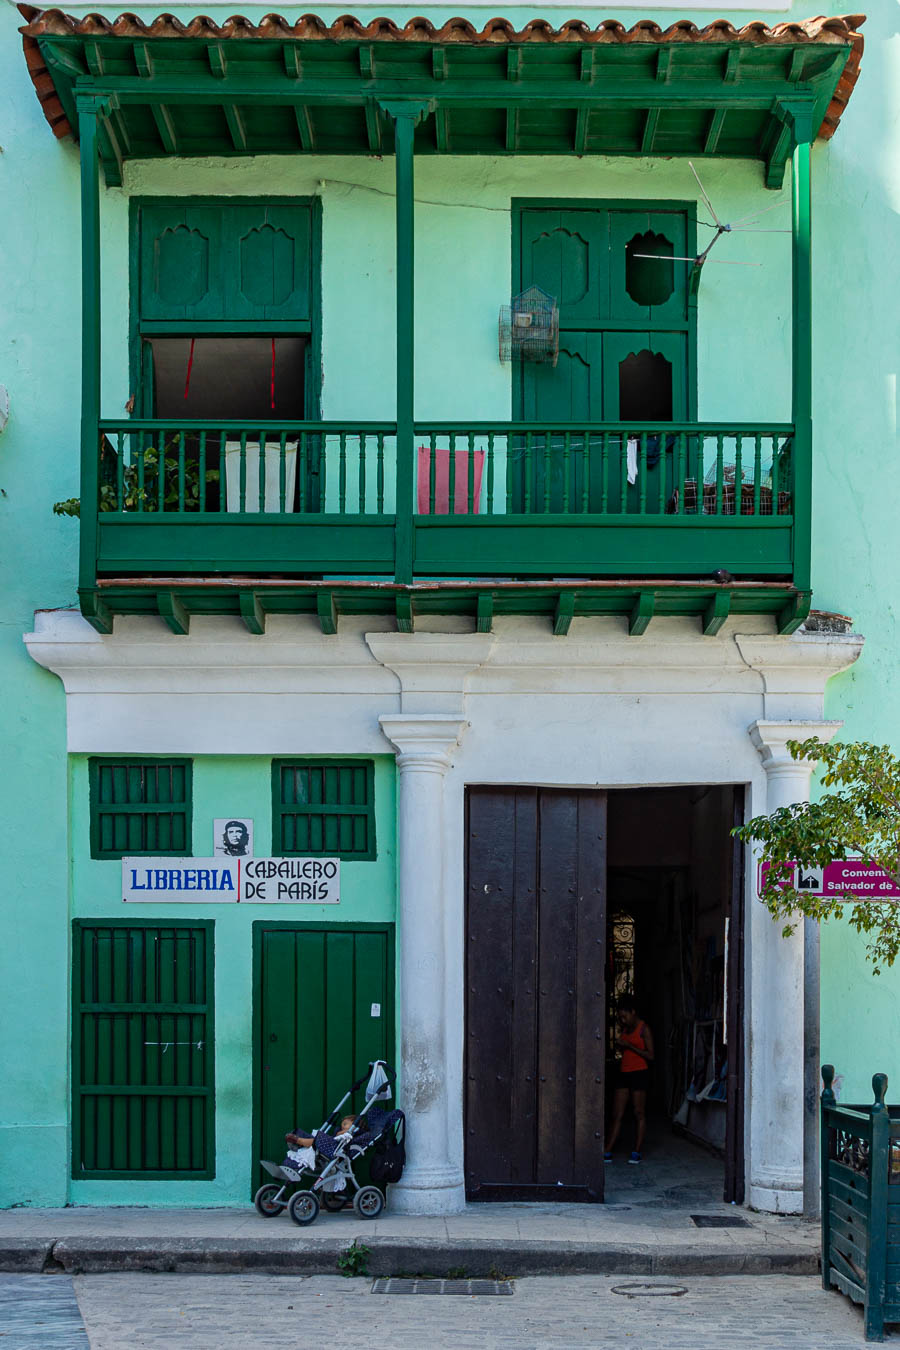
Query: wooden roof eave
722	86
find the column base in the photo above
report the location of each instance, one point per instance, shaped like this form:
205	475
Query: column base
428	1190
769	1200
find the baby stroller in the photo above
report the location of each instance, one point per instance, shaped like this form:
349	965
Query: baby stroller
332	1169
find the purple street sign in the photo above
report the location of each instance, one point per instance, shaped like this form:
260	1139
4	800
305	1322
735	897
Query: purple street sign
861	879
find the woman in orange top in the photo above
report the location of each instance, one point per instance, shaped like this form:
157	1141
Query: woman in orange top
636	1044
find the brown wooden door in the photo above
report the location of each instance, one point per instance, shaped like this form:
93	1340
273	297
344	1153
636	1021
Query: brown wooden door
535	992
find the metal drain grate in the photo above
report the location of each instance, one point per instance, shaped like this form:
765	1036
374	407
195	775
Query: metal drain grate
643	1290
719	1221
400	1286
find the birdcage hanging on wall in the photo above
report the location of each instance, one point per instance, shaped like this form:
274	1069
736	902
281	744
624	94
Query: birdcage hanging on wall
529	327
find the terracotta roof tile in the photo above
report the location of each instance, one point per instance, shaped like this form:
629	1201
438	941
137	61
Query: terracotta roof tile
837	30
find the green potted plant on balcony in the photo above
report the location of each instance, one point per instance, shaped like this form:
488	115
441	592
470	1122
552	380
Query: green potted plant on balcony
141	482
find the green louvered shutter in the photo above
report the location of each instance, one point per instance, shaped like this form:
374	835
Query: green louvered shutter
324	808
140	807
142	1050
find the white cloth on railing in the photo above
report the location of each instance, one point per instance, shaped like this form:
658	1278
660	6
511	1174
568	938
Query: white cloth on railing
271	476
631	459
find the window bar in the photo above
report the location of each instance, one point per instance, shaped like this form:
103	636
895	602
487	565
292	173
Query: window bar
342	471
548	459
508	504
567	451
757	472
623	471
120	472
361	490
201	478
261	474
282	472
528	473
432	471
161	473
604	491
451	471
242	476
470	484
720	477
738	474
643	474
682	470
379	476
489	507
775	475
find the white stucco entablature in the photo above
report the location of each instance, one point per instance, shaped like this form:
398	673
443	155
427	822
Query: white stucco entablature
293	689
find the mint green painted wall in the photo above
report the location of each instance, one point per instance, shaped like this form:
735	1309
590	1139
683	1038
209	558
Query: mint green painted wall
463	254
226	786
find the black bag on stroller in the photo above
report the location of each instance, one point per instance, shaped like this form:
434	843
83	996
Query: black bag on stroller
389	1153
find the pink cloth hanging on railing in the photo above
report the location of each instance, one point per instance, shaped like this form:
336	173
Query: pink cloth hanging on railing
442	481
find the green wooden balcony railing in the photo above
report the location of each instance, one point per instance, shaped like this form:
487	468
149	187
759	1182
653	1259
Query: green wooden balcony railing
490	499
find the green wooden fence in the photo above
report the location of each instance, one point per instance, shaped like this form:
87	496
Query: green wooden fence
861	1203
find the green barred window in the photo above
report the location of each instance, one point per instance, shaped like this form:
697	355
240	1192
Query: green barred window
140	807
142	1049
324	808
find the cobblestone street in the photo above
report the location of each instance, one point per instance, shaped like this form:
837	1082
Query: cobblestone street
238	1312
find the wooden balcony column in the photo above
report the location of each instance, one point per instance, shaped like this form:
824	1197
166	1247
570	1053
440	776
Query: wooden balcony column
406	116
797	115
91	108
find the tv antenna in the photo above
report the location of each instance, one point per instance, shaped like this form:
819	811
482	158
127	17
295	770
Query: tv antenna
743	225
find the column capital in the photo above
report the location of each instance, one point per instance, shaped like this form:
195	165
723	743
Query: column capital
424	741
770	739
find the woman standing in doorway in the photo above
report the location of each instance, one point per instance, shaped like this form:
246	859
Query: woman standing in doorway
636	1043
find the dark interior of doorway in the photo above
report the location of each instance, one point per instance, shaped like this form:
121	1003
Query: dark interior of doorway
674	943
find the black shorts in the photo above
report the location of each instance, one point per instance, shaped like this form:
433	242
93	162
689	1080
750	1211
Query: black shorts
636	1081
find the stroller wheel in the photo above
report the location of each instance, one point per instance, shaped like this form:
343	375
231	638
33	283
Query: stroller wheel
303	1207
265	1201
334	1200
368	1202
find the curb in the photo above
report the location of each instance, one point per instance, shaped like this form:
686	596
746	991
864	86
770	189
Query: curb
389	1256
24	1255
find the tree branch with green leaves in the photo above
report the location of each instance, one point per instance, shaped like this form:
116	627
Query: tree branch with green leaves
858	817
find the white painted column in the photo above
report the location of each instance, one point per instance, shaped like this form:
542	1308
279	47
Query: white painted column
432	1182
777	1004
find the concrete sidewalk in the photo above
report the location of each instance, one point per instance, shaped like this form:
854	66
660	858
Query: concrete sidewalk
621	1237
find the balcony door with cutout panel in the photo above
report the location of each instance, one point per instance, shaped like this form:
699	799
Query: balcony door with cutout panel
224	331
625	333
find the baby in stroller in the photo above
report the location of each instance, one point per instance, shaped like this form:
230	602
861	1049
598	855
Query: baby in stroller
327	1159
302	1147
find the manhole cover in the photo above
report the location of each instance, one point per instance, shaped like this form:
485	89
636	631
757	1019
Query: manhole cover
719	1221
470	1287
650	1290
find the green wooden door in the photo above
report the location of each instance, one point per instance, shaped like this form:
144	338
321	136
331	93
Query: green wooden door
324	1008
589	259
142	1050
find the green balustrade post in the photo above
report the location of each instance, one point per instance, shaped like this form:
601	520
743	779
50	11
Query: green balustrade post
90	109
406	116
828	1101
799	117
879	1163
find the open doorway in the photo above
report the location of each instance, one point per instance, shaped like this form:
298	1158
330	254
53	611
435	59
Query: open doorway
576	898
674	947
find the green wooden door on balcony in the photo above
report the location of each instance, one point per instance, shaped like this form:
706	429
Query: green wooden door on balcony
624	342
